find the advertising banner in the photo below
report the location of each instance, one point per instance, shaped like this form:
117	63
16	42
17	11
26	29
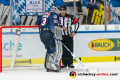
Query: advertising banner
4	12
34	5
97	44
29	46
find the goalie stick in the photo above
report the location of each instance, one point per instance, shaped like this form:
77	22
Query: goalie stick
73	55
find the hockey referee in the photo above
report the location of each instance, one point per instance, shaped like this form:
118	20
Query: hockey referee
65	21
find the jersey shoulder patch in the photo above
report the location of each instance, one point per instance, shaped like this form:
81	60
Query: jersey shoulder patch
55	16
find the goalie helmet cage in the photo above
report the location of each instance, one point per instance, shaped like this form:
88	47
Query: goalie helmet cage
1	27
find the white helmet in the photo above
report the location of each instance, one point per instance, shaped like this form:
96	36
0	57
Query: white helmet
54	9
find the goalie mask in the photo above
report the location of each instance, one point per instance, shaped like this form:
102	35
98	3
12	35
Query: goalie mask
55	9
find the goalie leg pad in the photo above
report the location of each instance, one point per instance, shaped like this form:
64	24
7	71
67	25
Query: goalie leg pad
53	57
50	62
58	52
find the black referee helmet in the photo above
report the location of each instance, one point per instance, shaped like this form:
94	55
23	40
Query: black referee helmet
63	7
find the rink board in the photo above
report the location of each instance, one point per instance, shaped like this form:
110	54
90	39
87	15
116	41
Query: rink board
32	51
83	59
97	43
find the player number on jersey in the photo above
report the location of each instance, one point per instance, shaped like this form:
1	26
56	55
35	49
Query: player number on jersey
55	21
44	21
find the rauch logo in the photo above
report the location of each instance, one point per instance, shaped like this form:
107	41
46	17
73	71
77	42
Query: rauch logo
101	45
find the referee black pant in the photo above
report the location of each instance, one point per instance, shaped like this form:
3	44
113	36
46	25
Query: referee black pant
67	58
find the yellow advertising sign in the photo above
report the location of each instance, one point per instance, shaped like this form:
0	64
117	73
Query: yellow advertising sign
101	45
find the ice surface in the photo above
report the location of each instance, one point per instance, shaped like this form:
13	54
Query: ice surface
103	67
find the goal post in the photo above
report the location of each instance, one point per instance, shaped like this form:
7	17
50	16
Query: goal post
1	27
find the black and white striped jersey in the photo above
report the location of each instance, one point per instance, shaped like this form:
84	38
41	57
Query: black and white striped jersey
67	21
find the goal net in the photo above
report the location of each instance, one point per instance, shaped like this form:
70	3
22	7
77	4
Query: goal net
24	51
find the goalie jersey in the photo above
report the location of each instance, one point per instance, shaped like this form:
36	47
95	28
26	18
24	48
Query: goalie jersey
49	20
